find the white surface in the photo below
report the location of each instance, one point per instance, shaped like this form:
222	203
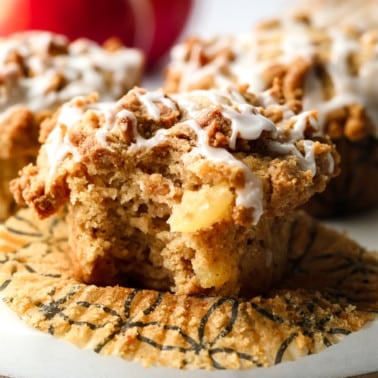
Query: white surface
362	228
212	17
26	353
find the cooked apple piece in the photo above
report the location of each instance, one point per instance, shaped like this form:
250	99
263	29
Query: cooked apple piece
202	208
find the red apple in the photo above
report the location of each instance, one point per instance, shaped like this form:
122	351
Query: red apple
152	25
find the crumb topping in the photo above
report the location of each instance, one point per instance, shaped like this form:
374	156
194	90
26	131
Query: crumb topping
328	69
205	115
42	70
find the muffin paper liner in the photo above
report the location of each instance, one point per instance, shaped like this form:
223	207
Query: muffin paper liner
329	291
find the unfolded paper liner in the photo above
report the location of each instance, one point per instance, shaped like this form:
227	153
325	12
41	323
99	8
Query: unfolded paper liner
330	290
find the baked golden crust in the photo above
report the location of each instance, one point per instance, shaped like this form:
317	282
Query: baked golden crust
181	192
8	171
19	128
329	292
38	72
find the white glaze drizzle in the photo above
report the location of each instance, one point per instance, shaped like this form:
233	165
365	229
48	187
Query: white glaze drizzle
245	122
349	89
58	145
286	43
86	68
307	161
251	195
112	119
149	100
246	65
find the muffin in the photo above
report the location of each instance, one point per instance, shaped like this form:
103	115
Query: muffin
330	70
191	192
328	13
38	72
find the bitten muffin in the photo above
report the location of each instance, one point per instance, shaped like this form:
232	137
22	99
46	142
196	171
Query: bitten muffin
38	72
191	192
330	70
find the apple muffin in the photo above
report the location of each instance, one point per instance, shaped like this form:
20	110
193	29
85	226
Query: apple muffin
38	72
189	192
331	70
328	13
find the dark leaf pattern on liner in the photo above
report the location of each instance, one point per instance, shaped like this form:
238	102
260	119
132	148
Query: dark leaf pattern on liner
217	338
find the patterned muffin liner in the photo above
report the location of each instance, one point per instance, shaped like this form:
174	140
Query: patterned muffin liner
329	291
